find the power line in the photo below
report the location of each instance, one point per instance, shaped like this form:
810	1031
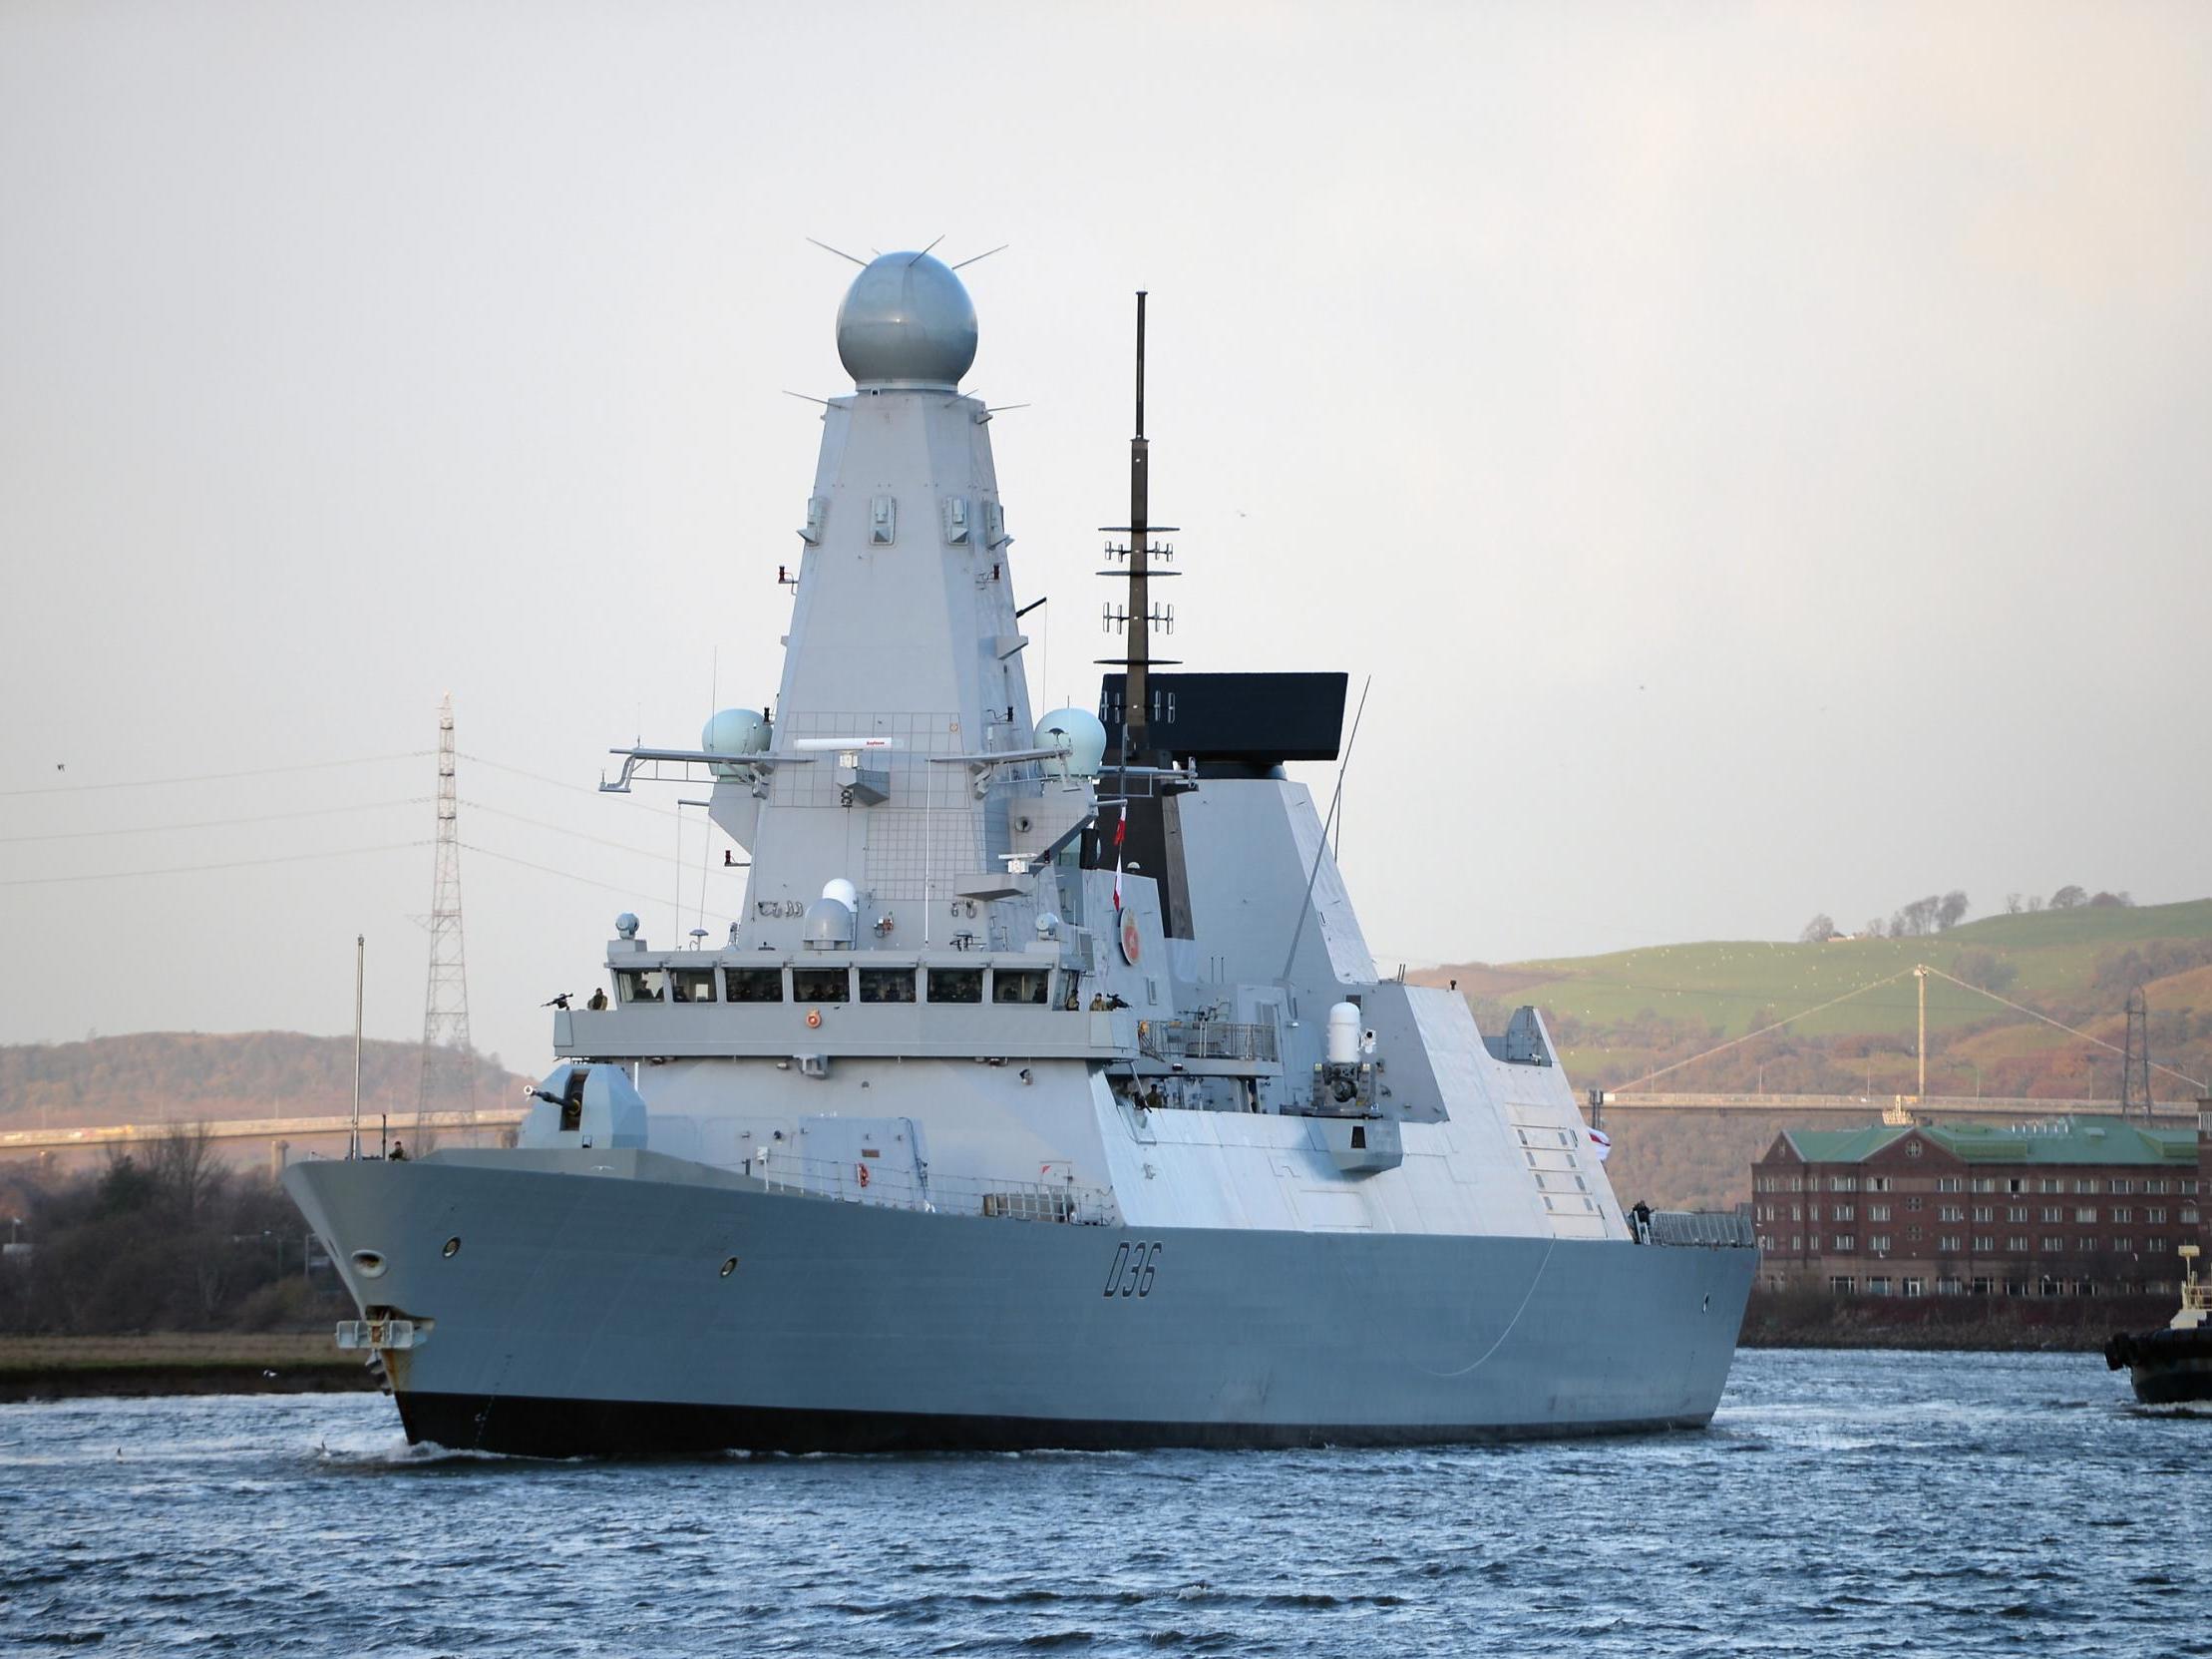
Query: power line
1737	1043
567	875
214	823
573	788
557	829
213	777
2070	1031
194	869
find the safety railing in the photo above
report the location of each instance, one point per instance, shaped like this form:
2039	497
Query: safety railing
1207	1039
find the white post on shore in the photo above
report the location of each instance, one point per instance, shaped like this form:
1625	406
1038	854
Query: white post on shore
360	954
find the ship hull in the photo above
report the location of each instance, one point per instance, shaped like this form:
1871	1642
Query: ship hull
591	1314
2166	1367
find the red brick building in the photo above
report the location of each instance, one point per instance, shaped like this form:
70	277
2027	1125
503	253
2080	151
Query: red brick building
2078	1206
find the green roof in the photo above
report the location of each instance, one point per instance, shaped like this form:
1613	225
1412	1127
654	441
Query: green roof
2114	1140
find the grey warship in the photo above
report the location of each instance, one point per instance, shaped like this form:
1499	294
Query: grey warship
1044	1094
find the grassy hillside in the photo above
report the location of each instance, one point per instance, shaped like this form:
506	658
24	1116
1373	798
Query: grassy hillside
186	1076
1619	1017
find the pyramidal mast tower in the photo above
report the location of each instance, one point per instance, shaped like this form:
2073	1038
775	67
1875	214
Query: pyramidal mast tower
448	1068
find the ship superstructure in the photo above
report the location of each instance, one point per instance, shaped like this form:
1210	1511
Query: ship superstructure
1045	1091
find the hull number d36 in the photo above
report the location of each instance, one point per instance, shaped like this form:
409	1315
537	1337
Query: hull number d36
1133	1266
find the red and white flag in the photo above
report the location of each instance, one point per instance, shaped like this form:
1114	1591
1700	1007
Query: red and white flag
1604	1142
1121	830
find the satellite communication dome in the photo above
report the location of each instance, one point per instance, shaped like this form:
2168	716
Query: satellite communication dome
1077	730
906	320
734	731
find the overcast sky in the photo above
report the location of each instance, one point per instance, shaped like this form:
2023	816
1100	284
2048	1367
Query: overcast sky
1763	456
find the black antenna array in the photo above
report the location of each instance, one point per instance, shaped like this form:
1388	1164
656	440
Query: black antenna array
1137	617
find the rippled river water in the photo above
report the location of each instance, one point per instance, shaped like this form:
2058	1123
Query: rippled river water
1841	1503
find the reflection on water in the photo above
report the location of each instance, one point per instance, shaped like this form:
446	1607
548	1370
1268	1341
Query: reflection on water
1841	1503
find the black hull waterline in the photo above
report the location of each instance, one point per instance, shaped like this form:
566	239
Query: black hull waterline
527	1426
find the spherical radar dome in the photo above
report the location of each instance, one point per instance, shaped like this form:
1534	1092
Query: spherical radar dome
906	320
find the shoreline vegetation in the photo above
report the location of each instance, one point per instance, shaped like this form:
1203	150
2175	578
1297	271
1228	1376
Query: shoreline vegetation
306	1361
178	1361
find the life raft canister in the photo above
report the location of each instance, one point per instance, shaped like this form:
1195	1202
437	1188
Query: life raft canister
814	1018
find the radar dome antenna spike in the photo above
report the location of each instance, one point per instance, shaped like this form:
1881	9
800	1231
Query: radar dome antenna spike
839	251
977	258
940	236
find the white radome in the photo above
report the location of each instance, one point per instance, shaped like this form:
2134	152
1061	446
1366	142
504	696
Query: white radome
1079	731
906	320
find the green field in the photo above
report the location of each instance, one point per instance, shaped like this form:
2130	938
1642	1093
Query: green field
1611	1012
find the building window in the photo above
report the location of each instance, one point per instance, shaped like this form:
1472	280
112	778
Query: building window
1916	1287
2055	1246
1981	1287
2016	1212
1912	1233
1846	1243
1913	1204
2015	1185
1912	1148
1949	1286
2083	1184
2051	1212
1876	1183
2123	1186
2086	1214
1877	1212
1879	1244
1879	1285
1949	1183
1984	1244
2119	1212
2050	1184
1797	1212
2123	1246
1985	1212
2188	1216
1843	1184
1842	1284
2154	1215
1843	1212
1950	1244
1949	1213
1797	1244
1985	1183
2154	1246
2017	1244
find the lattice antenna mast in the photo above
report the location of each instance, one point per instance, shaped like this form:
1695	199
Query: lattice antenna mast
2135	1056
448	1069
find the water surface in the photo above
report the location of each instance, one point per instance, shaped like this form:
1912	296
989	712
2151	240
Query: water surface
1841	1503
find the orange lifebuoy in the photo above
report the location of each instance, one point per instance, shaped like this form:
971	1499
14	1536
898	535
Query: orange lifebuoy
864	1173
814	1018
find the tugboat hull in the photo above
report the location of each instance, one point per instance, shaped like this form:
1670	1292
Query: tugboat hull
2164	1367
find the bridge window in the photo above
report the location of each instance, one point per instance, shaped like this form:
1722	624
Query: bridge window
956	984
821	984
691	984
753	985
1020	984
639	985
887	985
